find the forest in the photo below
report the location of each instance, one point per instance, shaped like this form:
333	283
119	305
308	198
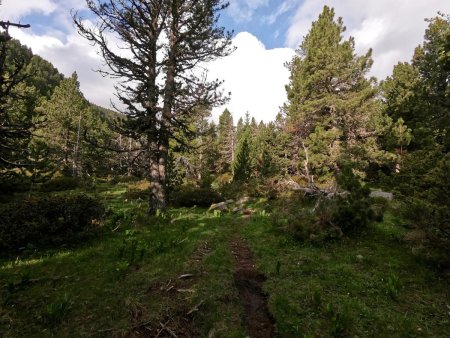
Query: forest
149	219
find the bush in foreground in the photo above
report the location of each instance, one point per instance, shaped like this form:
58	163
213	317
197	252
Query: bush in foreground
49	220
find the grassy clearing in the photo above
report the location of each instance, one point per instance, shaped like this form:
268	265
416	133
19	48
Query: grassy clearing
126	282
367	286
110	285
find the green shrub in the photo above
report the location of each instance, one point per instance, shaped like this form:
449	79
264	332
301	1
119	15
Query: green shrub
305	218
9	186
49	220
61	183
188	196
424	190
353	210
134	194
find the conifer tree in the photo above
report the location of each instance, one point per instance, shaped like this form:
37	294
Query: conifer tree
169	42
66	113
418	92
225	142
242	164
332	111
16	105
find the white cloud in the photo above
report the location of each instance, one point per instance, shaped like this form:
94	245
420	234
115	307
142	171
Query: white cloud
14	9
243	10
255	76
392	28
282	8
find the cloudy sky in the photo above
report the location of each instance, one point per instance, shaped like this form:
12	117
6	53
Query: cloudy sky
266	34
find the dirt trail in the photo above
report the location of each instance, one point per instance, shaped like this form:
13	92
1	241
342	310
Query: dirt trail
258	321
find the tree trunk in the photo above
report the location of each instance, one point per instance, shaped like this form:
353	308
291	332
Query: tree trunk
158	186
157	200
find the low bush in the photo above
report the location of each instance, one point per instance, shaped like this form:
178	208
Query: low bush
137	190
49	220
265	188
319	218
134	194
423	187
61	183
305	218
189	195
353	211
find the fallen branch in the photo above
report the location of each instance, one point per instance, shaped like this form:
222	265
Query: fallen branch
195	308
164	327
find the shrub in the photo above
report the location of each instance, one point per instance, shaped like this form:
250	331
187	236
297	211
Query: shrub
305	218
9	186
134	194
353	210
189	195
137	190
49	220
61	183
424	189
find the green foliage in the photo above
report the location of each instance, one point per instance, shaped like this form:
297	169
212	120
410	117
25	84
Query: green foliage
340	320
57	311
304	218
425	189
242	165
47	220
393	286
132	250
61	183
189	196
225	142
353	211
332	109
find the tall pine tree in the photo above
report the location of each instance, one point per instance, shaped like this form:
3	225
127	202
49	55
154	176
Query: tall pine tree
332	111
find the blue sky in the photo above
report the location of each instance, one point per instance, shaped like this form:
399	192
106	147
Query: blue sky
267	32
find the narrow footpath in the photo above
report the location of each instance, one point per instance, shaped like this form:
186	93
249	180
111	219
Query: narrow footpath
258	321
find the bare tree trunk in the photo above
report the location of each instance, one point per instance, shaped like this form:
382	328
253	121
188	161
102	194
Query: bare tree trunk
159	193
157	196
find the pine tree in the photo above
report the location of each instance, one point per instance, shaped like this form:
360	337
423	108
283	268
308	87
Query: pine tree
66	112
242	164
432	60
17	100
168	40
225	142
418	92
332	110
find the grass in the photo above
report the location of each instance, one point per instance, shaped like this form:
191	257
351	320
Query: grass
370	285
111	284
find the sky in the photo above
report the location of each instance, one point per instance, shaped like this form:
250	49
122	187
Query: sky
266	34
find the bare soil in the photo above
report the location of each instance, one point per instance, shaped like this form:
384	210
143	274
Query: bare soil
258	321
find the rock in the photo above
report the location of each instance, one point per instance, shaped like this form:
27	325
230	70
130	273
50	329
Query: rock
229	201
383	194
243	200
222	206
360	257
248	211
236	210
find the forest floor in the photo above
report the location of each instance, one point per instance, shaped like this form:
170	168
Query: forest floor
192	273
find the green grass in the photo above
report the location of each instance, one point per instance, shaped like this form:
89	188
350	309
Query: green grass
370	285
108	285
